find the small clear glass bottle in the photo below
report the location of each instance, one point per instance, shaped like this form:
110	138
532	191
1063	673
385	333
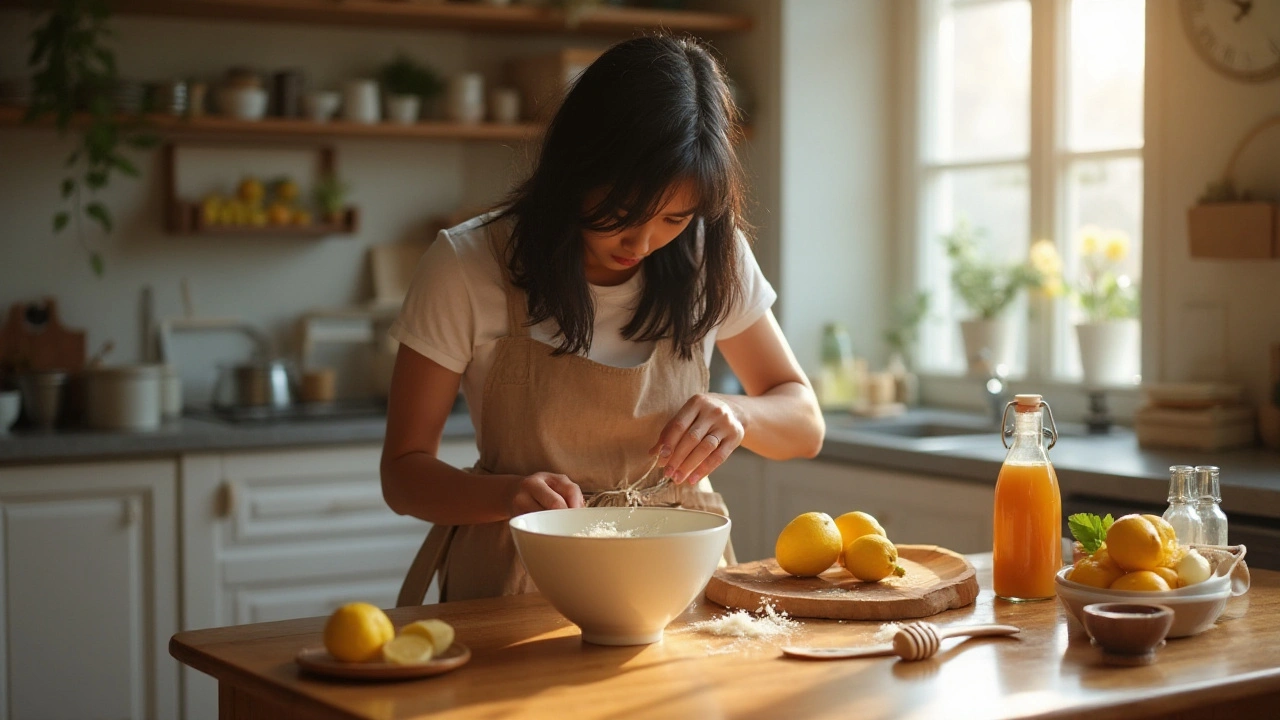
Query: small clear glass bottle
1182	511
836	389
1213	522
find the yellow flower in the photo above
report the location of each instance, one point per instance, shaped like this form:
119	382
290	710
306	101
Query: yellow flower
1044	258
1116	247
1052	288
1087	239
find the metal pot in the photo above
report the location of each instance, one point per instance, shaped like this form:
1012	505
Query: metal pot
259	384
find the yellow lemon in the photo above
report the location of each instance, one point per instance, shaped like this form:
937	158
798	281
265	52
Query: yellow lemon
1134	543
1094	573
808	545
854	525
1143	580
1168	539
356	632
872	558
438	632
251	191
1169	574
408	650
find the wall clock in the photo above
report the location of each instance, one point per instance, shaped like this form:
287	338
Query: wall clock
1238	38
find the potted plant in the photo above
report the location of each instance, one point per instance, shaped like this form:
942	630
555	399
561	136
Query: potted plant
408	85
330	195
988	289
73	70
1109	334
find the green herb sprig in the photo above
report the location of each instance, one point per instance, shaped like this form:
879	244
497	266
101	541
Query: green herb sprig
1090	530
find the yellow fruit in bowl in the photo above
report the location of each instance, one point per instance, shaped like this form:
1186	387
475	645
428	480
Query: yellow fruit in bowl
872	558
1141	580
1134	543
1094	571
438	632
1168	539
808	545
279	214
357	631
408	650
1169	574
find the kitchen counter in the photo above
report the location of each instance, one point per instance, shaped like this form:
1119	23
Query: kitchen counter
529	662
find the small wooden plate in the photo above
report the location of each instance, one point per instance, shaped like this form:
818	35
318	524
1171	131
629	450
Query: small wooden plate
318	660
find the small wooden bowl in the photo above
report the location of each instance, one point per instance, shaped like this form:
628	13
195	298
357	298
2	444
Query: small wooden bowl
1128	633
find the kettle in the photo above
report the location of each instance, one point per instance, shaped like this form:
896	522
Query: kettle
268	383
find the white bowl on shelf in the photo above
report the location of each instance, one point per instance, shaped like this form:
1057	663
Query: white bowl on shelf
621	590
1195	607
243	103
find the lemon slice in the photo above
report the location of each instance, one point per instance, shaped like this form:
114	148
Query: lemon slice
438	632
408	650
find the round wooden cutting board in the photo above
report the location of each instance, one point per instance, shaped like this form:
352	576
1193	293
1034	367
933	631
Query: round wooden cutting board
937	579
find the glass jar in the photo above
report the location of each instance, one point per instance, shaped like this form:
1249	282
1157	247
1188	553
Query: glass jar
1182	512
1213	522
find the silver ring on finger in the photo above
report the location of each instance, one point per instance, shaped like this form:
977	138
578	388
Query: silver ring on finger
715	441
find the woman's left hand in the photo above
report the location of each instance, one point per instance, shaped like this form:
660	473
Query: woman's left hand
698	438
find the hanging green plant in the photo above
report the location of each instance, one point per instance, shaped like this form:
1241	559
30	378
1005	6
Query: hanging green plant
73	70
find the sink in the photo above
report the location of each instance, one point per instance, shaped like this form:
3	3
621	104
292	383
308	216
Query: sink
922	429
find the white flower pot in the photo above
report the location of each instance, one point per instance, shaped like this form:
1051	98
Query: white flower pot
403	109
987	344
1109	351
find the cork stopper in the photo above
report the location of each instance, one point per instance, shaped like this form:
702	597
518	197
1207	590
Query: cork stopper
1027	403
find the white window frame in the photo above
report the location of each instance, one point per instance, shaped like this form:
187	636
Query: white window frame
1048	163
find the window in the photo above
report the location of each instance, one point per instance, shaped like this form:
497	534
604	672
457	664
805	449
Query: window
1029	127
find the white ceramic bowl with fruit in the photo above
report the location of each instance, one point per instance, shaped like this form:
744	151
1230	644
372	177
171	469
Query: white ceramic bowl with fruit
620	574
1196	607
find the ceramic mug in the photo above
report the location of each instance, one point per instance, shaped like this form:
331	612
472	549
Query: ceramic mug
465	99
321	105
504	105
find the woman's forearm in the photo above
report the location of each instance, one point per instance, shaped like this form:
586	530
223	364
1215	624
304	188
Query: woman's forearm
782	423
427	488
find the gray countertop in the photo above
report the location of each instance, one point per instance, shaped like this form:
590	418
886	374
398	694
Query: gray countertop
1109	466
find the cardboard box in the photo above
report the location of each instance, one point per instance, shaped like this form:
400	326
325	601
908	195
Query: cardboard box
1234	231
543	79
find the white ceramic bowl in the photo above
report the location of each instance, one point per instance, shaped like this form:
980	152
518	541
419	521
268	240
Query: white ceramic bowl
621	590
1195	608
10	407
243	103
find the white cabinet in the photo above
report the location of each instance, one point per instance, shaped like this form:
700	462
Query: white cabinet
913	508
89	598
275	535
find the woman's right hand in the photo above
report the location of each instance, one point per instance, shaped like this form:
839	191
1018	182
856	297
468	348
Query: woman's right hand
545	491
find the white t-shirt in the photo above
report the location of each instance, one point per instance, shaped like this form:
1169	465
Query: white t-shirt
455	310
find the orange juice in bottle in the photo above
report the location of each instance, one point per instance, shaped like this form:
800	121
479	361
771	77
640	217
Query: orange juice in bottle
1028	513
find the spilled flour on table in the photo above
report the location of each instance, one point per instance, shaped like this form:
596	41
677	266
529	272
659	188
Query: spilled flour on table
886	632
767	623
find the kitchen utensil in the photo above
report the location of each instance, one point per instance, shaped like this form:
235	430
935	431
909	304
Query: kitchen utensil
124	397
42	396
621	590
914	641
1195	607
267	383
34	339
10	408
1128	633
318	660
633	494
936	579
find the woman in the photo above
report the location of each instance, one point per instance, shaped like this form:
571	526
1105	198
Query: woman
580	321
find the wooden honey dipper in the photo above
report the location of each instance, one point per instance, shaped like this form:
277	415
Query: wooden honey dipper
914	641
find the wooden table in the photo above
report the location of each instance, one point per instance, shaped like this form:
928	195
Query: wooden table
529	662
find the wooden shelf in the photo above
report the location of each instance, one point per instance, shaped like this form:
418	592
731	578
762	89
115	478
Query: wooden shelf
403	14
277	128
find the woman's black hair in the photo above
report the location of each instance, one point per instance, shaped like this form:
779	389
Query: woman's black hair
649	113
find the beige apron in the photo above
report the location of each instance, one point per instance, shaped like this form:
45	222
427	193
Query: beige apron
570	415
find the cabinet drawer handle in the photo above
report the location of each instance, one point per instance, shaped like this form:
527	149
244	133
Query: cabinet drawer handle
230	495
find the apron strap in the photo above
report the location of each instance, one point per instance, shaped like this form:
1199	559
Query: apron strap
517	301
426	565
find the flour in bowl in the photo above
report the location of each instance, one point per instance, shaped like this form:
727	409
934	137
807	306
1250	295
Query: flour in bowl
604	529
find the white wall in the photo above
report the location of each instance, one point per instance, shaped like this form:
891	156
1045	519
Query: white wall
1203	319
836	155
